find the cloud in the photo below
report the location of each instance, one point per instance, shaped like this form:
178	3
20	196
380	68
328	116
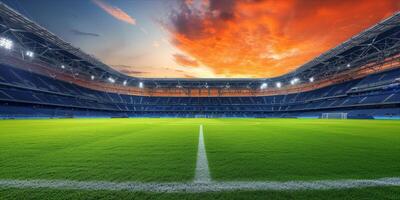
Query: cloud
115	12
82	33
156	44
266	38
144	30
129	70
185	61
158	72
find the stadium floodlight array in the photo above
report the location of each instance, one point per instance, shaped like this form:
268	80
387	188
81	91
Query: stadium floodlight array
264	86
29	54
278	84
111	80
294	81
6	43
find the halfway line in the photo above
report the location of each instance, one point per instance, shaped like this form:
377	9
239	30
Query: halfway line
202	173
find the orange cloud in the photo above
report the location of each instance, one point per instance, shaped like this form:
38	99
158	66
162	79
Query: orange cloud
154	72
185	61
115	12
266	38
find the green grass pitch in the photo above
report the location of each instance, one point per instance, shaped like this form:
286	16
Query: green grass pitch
111	150
296	149
165	150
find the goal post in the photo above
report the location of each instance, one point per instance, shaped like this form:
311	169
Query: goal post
340	115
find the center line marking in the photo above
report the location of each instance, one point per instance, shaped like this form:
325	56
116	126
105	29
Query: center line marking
202	173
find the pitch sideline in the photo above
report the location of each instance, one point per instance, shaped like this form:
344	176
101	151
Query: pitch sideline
200	187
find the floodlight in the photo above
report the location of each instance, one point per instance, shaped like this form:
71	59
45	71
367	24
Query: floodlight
62	67
6	43
278	84
111	80
263	86
92	77
29	54
311	79
348	65
140	84
294	81
125	82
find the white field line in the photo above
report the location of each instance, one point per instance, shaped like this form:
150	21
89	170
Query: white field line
202	173
200	187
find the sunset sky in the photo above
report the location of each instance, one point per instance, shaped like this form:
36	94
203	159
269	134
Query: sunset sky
205	38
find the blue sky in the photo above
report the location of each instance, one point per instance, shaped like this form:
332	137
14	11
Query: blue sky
142	49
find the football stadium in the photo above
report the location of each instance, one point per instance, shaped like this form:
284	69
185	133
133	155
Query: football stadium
73	127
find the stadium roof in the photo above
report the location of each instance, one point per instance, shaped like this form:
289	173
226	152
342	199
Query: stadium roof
377	42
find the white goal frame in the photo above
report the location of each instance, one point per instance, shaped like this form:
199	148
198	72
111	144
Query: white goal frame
340	115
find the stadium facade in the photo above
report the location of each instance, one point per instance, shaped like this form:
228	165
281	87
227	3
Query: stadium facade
42	76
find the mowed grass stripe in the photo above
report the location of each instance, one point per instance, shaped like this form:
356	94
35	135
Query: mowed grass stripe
114	150
293	149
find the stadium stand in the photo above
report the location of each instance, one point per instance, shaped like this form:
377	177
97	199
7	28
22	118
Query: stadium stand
61	99
360	77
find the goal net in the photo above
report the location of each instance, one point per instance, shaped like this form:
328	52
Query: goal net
334	116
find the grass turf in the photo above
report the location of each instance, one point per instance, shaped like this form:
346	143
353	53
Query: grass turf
293	149
165	150
98	149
